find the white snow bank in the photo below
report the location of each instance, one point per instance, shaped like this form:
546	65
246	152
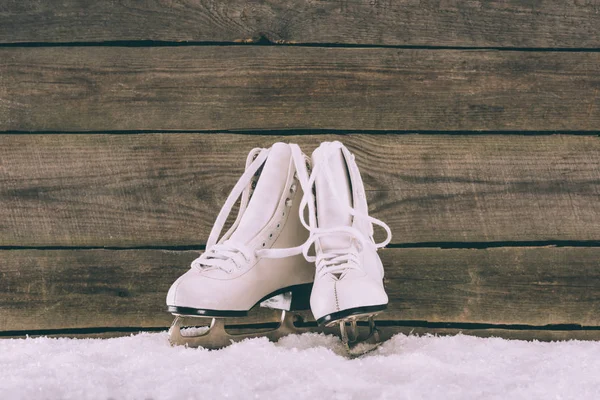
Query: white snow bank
298	367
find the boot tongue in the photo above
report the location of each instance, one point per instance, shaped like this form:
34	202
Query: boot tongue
331	209
266	196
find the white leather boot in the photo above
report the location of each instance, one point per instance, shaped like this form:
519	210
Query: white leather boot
258	258
348	283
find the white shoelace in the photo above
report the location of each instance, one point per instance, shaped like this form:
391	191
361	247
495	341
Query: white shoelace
226	255
223	255
341	260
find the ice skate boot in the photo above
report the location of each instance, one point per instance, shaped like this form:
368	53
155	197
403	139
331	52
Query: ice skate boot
348	284
257	261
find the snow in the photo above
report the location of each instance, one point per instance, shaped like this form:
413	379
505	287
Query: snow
309	366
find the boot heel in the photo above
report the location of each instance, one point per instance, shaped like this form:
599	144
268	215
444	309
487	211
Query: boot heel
301	297
292	298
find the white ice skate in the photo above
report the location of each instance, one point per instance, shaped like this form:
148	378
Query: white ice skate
348	283
257	261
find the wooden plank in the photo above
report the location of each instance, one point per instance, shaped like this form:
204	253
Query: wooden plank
276	88
67	289
507	285
87	288
512	334
499	23
166	189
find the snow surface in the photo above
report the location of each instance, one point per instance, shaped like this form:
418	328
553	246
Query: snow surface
309	366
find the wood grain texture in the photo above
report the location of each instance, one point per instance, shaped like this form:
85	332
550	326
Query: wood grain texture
500	23
87	288
258	87
507	285
166	189
63	289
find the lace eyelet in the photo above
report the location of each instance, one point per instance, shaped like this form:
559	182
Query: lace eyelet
270	235
278	225
288	202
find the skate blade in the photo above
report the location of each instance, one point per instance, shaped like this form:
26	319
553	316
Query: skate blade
217	336
357	340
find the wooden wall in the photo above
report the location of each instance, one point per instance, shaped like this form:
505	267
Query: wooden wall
123	126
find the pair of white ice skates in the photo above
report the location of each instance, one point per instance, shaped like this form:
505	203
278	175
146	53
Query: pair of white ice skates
263	259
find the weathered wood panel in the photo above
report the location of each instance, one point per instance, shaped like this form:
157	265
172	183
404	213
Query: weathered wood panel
500	23
86	288
58	289
166	189
252	88
518	285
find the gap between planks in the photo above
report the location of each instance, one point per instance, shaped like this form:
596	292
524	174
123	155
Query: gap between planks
264	41
387	330
389	324
423	245
307	132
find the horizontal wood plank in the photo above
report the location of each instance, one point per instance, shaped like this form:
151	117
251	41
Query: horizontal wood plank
507	285
68	289
166	189
498	23
276	88
87	288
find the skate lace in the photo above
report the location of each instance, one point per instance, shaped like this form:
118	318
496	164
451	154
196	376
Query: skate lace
333	261
337	262
222	253
225	254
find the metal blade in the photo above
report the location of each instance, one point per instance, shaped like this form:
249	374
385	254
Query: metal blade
217	336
